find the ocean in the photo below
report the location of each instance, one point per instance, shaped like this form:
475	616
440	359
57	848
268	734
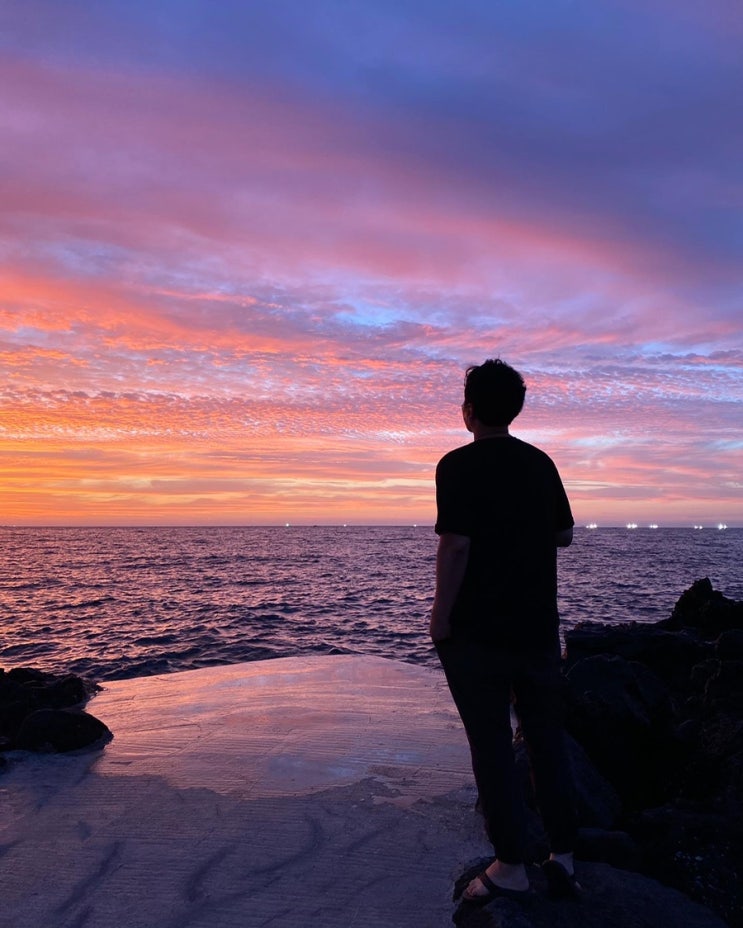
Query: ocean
111	603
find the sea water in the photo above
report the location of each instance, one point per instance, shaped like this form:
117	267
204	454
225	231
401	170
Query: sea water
111	603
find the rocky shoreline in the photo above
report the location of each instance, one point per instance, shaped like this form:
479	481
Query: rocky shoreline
656	714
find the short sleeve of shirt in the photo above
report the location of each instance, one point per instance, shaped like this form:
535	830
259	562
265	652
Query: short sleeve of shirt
453	502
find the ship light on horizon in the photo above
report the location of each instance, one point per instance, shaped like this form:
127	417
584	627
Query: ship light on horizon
632	525
592	525
653	525
722	526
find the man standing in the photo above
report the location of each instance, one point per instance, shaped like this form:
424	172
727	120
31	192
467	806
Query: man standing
502	512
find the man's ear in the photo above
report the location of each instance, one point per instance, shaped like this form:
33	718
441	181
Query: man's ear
468	415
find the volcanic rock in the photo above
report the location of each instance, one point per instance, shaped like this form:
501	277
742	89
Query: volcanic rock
658	708
59	730
43	712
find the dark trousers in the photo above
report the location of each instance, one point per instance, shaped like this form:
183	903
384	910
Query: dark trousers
482	681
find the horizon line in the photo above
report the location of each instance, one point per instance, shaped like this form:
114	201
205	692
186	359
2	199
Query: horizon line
590	526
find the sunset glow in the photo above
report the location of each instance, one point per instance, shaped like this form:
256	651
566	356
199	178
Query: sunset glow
247	251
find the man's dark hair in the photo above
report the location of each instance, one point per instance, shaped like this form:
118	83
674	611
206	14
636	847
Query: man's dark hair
495	390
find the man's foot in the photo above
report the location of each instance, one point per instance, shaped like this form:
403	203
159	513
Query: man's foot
498	879
560	876
566	860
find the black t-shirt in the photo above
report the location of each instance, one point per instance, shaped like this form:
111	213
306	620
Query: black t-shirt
506	496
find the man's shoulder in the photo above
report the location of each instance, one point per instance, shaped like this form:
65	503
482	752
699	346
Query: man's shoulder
459	451
527	450
457	454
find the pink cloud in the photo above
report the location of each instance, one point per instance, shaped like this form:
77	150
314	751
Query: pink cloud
259	181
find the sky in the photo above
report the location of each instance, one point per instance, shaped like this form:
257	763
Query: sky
247	250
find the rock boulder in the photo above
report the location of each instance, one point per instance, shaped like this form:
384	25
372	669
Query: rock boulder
44	712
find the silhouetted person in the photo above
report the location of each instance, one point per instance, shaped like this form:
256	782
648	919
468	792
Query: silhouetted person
502	512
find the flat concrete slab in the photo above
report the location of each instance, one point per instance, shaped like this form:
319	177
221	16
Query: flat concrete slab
332	791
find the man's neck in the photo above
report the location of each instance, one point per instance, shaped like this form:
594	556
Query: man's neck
489	431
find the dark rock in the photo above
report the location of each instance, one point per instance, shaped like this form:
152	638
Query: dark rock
714	771
726	682
23	690
612	689
690	604
622	715
698	852
21	675
616	848
596	802
34	711
659	710
670	655
60	730
688	732
729	646
704	608
700	674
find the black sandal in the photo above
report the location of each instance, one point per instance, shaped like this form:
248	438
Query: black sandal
560	884
493	892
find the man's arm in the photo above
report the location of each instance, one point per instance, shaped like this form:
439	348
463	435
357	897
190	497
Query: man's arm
451	563
564	538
